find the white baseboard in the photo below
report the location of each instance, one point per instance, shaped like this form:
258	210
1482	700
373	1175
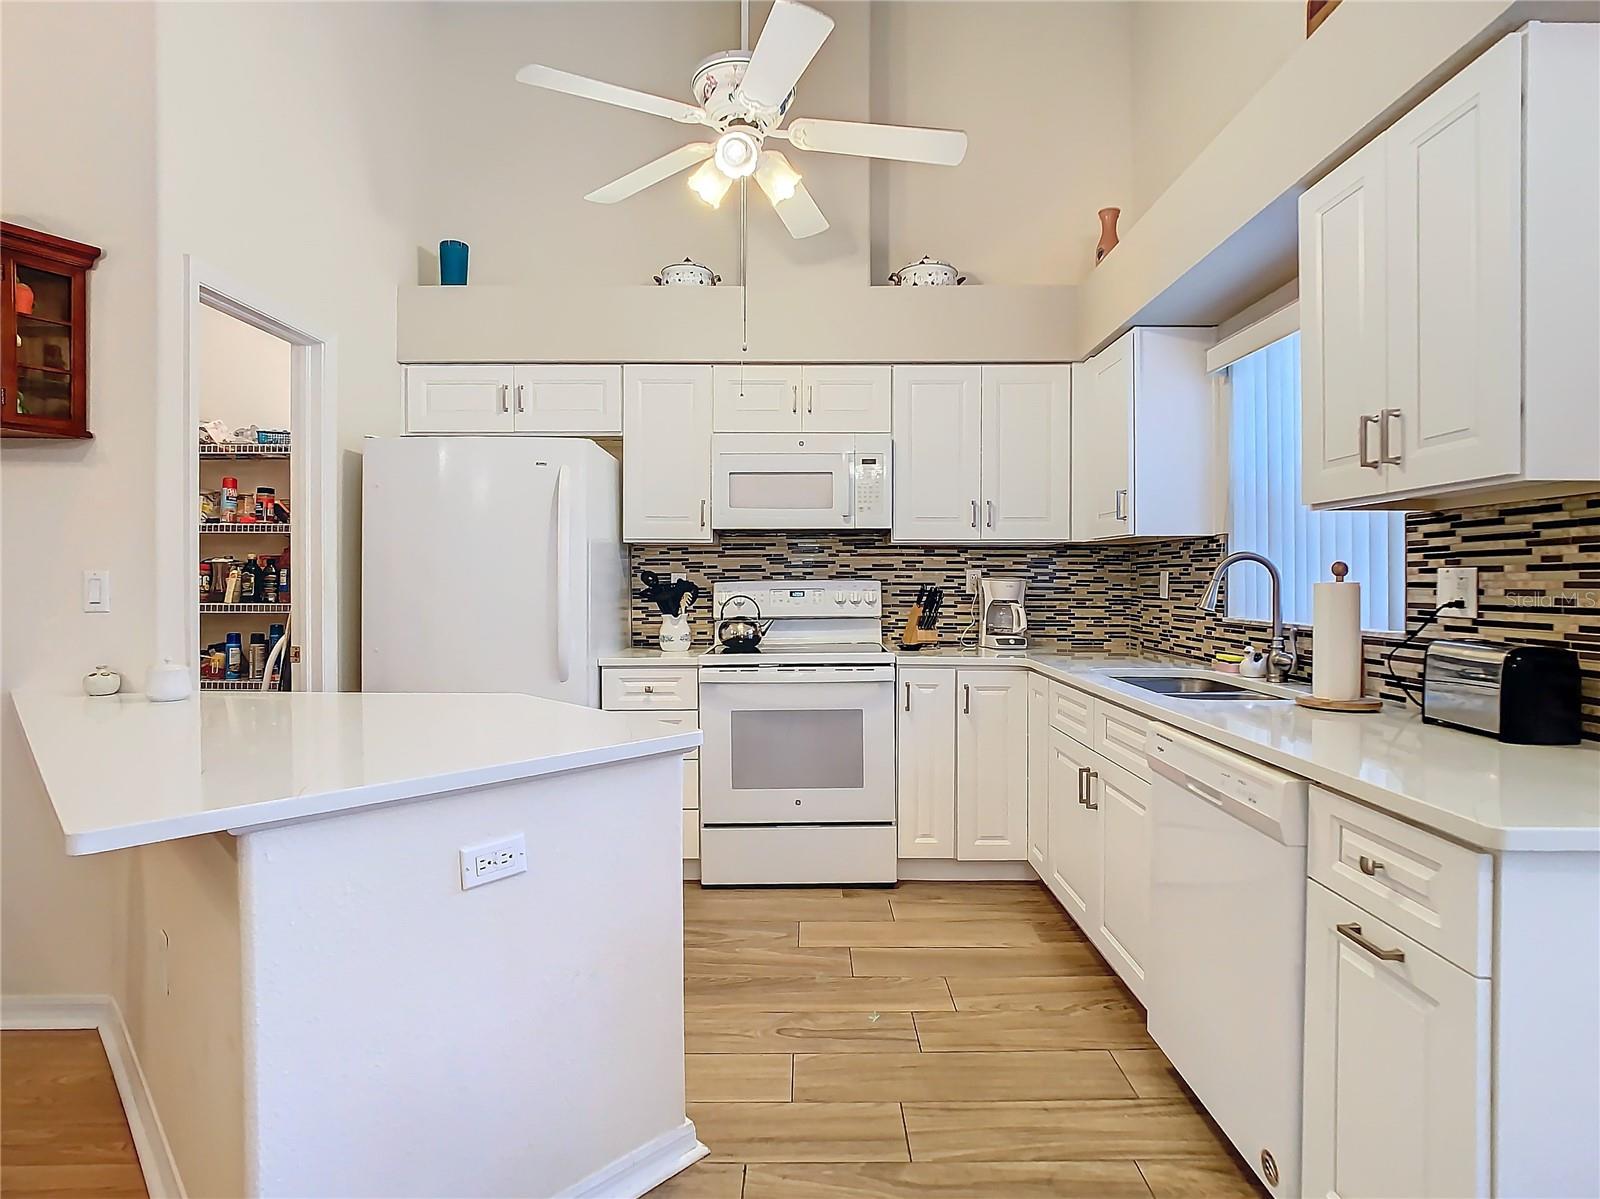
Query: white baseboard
945	869
645	1168
101	1013
691	870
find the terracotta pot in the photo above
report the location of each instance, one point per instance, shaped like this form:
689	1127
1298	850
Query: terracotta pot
1108	233
24	295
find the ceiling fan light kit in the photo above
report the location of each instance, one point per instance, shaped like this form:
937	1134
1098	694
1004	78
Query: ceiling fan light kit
745	96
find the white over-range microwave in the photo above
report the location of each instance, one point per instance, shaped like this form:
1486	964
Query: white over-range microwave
800	481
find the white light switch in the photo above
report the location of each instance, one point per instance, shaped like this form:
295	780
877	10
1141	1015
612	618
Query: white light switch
97	591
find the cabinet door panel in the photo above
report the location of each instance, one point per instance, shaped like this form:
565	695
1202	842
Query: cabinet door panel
1074	833
1454	167
937	461
1027	453
1397	1072
1343	331
992	765
757	399
1124	924
567	399
666	465
1038	773
846	399
458	399
927	759
1102	443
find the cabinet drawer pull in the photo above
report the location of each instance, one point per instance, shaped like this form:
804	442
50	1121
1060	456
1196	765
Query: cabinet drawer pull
649	689
989	510
1119	502
974	514
1353	933
505	403
522	397
794	391
811	399
966	699
1369	866
1083	785
908	697
702	513
1089	803
1362	423
1384	455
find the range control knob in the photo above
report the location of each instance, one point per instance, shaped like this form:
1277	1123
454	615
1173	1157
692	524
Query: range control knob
838	597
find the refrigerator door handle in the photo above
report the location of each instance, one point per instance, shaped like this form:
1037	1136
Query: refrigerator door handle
563	552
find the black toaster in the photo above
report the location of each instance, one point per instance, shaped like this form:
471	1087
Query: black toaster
1524	694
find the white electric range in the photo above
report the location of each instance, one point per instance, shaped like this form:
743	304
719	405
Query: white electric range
797	772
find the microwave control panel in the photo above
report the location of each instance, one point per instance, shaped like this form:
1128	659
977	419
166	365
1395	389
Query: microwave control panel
872	487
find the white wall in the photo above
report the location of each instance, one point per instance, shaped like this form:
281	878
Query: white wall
244	373
1195	65
85	170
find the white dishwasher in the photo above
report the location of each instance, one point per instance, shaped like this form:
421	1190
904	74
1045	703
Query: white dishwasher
1228	941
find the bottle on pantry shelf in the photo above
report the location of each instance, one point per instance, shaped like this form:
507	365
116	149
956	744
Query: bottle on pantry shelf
230	498
268	567
258	655
275	635
266	503
230	594
235	657
283	580
249	582
205	581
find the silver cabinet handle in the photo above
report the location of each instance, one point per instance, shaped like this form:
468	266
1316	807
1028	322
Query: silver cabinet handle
702	513
1353	933
1369	866
1383	418
908	697
649	689
1083	785
794	392
988	507
1089	803
522	396
1119	502
966	699
811	399
1362	422
505	403
974	514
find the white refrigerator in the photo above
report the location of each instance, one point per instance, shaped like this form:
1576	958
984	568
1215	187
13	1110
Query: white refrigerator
491	564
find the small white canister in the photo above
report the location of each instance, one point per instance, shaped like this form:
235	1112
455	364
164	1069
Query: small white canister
168	682
102	680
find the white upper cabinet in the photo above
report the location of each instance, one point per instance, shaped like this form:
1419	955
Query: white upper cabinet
938	466
982	453
1027	453
927	761
567	399
666	459
1144	438
992	765
1447	302
757	399
845	399
1343	330
459	399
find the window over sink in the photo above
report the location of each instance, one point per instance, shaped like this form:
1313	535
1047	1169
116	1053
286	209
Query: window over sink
1265	513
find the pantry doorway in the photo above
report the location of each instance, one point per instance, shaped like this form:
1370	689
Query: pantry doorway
258	515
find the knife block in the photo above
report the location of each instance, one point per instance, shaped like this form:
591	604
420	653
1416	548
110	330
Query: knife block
914	636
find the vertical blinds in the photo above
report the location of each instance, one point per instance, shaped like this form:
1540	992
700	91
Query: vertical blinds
1265	513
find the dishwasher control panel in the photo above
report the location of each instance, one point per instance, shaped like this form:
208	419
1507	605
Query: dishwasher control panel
1267	798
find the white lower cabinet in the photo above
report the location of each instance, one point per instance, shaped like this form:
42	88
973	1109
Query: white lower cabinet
1396	1062
1121	801
671	695
927	775
1038	772
1072	870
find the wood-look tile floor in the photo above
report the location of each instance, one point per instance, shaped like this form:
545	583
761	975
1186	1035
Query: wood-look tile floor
62	1130
936	1041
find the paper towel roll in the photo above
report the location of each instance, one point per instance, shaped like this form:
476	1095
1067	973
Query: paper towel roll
1336	640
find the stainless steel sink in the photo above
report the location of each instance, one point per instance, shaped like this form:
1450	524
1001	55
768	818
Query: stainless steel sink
1189	686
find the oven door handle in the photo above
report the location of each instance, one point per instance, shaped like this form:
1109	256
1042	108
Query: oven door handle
741	676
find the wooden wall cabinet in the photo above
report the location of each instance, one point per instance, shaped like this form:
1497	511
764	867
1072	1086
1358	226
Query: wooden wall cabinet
44	334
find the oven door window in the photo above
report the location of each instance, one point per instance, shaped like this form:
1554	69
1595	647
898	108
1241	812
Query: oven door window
798	750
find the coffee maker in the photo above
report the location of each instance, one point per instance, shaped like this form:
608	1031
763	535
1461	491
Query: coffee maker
1002	621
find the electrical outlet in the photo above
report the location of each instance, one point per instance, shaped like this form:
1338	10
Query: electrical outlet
974	577
493	860
1166	584
1457	583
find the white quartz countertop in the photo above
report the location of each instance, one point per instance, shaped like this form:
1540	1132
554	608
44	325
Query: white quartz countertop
123	771
1470	788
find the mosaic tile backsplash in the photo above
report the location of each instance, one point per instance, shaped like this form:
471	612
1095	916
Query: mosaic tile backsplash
1538	577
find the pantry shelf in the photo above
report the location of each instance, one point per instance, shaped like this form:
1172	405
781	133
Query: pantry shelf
244	451
230	685
259	526
239	608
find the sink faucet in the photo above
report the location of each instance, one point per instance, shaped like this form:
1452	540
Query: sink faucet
1281	654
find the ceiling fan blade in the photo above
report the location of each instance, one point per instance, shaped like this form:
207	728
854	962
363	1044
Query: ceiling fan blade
905	143
800	214
665	167
789	41
610	93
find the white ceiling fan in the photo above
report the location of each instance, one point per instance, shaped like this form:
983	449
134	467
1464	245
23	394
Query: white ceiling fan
745	95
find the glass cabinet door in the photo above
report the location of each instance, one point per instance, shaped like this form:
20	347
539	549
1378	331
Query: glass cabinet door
43	344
